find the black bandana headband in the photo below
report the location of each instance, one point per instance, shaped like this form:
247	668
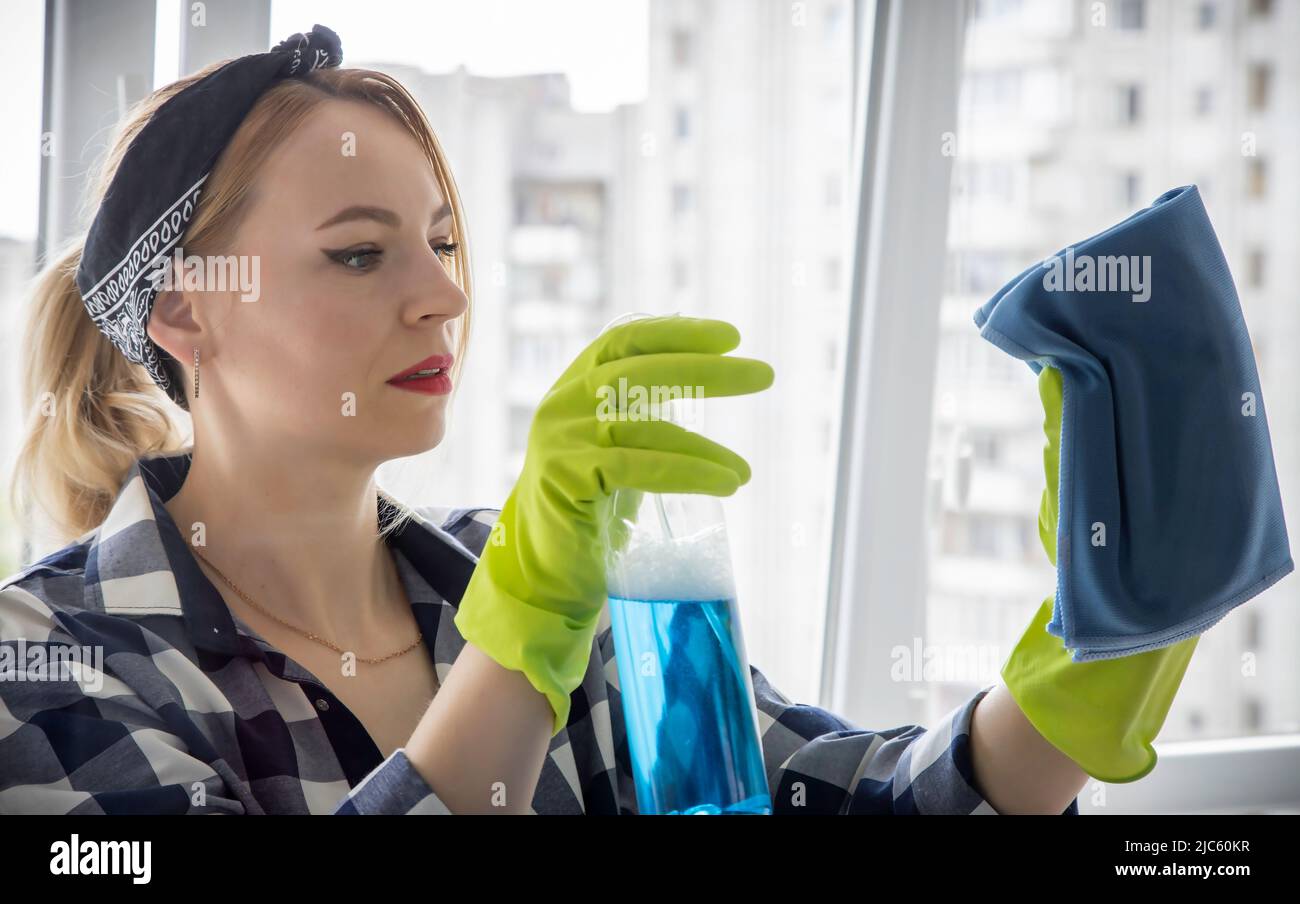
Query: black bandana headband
155	190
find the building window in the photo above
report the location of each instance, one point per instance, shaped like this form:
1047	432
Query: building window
994	90
682	48
986	447
989	181
1253	715
1030	543
1130	188
1132	14
1130	104
682	199
1256	178
1251	635
975	272
1204	100
1259	82
1205	15
1261	9
990	537
682	122
1256	262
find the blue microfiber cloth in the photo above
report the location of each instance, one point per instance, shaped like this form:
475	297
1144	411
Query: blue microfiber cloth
1170	514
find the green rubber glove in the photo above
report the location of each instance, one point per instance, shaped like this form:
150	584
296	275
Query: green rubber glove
537	593
1103	714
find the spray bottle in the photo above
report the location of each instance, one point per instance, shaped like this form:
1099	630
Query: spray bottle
684	680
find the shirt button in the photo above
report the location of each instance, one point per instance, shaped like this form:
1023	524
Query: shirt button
322	704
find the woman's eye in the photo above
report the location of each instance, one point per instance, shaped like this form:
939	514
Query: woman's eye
365	259
345	257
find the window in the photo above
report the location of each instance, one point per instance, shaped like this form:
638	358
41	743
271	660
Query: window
994	90
1261	9
1132	14
1259	83
1204	103
1256	178
985	447
1250	637
1205	14
554	260
682	122
978	271
1255	268
1130	104
1130	189
682	45
987	180
1253	717
683	198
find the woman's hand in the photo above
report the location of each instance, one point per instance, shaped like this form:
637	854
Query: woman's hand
539	588
1103	714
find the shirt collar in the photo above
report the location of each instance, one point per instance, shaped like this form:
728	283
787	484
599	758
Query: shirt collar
139	562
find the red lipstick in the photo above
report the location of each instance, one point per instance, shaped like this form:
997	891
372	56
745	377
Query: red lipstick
430	376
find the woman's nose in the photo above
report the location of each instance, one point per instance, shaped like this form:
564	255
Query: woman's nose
434	292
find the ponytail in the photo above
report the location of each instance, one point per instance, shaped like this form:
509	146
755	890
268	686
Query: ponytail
90	413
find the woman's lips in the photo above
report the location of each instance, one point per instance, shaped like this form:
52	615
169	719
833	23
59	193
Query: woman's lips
442	362
438	384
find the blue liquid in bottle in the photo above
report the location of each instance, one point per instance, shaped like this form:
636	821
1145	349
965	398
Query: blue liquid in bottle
688	705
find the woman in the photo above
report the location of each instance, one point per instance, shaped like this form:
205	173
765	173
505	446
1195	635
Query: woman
277	634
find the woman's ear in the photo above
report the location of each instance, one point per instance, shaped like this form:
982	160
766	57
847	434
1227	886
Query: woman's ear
172	325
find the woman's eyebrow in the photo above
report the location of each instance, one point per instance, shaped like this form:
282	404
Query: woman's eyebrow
378	214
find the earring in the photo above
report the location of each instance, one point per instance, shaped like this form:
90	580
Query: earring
196	371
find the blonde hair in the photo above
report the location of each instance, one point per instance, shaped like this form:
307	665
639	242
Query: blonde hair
90	412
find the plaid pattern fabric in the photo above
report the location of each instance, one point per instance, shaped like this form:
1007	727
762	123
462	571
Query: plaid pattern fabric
168	704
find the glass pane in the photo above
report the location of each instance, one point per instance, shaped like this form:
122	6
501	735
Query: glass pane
1068	123
654	157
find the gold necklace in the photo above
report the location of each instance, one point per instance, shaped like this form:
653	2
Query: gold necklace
309	635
